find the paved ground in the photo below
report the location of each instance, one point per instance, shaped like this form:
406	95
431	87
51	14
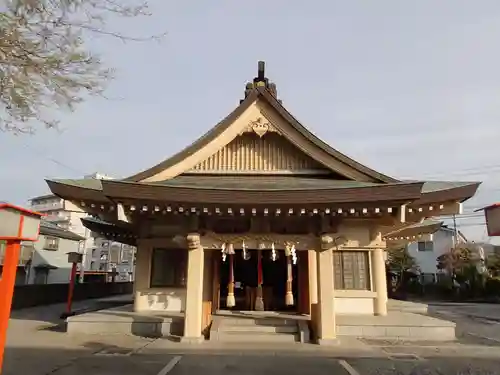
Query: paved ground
473	319
250	364
37	346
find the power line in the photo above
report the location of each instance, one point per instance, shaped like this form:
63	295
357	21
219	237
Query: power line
493	168
466	171
53	160
471	225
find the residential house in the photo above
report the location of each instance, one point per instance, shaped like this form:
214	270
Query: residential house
23	263
49	262
427	248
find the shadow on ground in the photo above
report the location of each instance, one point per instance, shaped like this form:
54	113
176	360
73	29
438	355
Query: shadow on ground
97	358
52	313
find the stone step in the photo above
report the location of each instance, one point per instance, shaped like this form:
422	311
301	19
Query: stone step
243	329
258	322
254	337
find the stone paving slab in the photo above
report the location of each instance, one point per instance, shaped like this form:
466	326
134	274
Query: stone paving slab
346	347
251	364
408	306
425	366
120	365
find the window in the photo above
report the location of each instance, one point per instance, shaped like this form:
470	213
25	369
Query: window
425	246
168	268
51	243
352	270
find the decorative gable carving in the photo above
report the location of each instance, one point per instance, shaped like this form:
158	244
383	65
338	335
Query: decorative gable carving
259	148
260	126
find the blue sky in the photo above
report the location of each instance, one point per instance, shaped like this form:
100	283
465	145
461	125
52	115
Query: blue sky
410	88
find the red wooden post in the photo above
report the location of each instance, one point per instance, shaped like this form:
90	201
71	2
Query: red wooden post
18	224
7	283
71	288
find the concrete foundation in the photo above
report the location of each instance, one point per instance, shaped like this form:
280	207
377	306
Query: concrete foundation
407	306
396	325
268	327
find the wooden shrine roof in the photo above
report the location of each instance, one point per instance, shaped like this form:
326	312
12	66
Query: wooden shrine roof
263	189
333	158
342	178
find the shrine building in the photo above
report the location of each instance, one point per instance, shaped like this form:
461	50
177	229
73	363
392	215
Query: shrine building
259	214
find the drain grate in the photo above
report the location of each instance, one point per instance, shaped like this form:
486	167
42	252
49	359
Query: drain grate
404	357
114	351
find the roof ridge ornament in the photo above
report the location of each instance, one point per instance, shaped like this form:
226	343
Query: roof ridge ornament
261	81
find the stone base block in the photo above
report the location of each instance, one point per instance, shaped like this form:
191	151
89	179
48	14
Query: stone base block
192	340
328	342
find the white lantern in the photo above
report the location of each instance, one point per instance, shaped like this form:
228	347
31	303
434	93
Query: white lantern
74	257
492	215
18	224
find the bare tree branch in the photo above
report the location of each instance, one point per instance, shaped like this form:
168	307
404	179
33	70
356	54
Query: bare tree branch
44	61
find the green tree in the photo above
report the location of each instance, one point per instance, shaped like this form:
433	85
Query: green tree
45	63
493	264
458	261
462	265
400	262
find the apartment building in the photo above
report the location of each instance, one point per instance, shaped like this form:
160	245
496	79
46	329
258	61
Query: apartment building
110	256
98	254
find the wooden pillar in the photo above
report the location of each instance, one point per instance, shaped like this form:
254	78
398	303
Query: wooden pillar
313	289
326	330
304	306
193	314
380	282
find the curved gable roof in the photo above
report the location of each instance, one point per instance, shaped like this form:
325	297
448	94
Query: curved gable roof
303	139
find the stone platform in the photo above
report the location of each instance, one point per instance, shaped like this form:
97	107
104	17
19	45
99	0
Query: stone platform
124	320
398	324
407	306
401	325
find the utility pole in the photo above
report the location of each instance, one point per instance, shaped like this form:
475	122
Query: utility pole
455	233
83	250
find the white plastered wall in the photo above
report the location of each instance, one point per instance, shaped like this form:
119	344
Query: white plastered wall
154	299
